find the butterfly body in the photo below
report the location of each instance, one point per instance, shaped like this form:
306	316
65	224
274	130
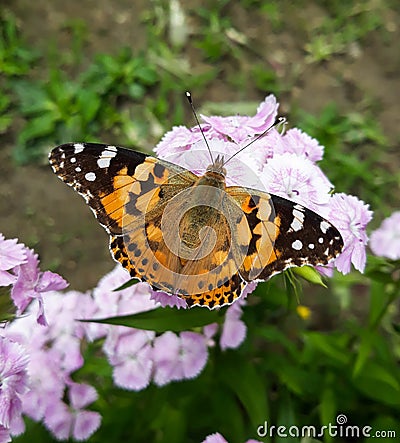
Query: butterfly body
191	235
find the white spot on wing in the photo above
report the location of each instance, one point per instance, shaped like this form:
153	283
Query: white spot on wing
297	223
320	240
324	226
78	169
297	245
73	160
106	156
311	246
90	176
78	148
103	162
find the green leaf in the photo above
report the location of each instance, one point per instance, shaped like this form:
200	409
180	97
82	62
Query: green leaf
363	352
37	127
89	103
127	284
331	346
377	382
295	378
310	274
286	416
328	406
378	302
248	385
165	319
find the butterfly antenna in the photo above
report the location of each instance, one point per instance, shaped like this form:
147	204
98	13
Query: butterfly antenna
189	97
280	123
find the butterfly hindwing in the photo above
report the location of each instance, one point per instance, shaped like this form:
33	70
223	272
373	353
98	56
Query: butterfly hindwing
225	294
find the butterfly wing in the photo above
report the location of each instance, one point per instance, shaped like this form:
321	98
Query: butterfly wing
111	178
283	234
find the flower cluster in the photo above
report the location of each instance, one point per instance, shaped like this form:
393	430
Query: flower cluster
139	357
284	164
19	267
37	363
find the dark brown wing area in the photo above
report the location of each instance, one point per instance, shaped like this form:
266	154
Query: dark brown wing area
304	238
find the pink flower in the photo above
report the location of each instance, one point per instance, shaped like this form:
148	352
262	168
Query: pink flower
218	438
12	254
385	241
131	358
65	336
233	329
31	283
46	382
4	435
298	179
350	216
178	357
298	142
243	128
110	303
178	140
13	382
74	421
170	300
215	438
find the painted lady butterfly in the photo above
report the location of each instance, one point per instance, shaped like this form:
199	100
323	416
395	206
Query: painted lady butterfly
192	235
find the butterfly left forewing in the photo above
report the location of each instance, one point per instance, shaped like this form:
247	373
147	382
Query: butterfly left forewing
112	179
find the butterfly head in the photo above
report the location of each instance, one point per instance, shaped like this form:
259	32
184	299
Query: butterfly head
217	167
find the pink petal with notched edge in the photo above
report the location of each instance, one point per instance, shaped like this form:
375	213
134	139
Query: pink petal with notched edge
351	217
166	358
12	253
86	423
193	353
4	435
385	241
234	330
298	142
135	373
6	278
50	281
81	395
59	420
215	438
170	300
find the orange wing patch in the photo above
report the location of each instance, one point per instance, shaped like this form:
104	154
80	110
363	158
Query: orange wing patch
264	227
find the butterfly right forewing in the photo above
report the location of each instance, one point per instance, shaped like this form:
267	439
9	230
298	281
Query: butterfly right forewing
283	234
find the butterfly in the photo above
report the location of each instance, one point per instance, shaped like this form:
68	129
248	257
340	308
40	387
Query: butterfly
188	235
